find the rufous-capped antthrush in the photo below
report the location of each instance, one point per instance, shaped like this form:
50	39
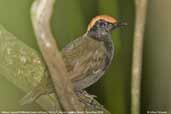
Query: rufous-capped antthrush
86	58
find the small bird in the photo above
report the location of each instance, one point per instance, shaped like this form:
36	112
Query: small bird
86	58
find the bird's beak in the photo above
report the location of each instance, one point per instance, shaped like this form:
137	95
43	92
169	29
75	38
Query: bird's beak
119	24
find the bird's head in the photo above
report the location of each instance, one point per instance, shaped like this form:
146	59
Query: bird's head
103	25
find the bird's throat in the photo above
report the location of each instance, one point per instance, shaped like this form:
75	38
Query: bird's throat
98	34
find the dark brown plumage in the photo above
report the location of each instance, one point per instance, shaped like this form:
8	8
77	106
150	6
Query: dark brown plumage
86	58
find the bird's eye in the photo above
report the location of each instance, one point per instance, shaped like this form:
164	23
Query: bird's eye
102	24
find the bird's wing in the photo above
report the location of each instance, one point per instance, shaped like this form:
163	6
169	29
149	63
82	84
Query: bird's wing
90	64
84	57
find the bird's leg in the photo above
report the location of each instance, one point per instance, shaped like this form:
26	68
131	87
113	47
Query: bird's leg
88	100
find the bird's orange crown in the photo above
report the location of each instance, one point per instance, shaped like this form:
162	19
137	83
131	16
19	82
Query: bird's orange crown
101	17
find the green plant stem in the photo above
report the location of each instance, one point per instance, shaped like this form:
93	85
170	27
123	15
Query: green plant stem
141	6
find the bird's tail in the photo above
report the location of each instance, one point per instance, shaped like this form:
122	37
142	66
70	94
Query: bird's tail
30	97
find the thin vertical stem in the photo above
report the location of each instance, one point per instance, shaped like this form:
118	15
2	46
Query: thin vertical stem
141	6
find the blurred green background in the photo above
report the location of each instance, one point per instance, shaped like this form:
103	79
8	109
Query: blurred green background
70	20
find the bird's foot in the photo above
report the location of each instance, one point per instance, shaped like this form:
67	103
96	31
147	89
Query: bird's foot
88	100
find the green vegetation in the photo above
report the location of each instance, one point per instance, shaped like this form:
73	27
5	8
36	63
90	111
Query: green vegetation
70	20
